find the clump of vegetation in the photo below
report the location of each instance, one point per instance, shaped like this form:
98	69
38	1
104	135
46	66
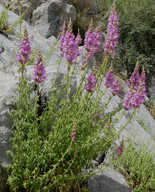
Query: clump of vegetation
3	21
54	138
136	163
5	29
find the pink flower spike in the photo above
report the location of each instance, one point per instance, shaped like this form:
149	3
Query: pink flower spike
135	78
25	49
137	93
115	87
109	79
90	86
68	44
93	40
111	38
39	69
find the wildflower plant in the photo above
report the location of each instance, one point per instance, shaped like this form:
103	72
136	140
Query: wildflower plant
50	148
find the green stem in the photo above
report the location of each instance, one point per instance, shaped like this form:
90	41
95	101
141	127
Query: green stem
117	134
68	81
103	68
20	21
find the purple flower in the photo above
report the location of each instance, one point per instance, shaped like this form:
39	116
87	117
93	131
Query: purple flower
109	78
111	38
93	40
25	49
98	116
39	69
90	86
140	95
135	78
115	87
68	44
128	101
137	93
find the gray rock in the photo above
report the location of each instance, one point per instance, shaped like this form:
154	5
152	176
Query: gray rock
7	85
108	181
50	16
152	94
27	7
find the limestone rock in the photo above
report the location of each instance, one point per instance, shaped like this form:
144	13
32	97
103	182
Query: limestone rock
108	181
7	85
27	7
50	16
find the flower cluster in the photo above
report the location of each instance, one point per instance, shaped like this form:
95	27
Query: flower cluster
68	44
90	86
109	81
111	39
39	69
25	49
109	78
135	78
93	40
115	87
137	93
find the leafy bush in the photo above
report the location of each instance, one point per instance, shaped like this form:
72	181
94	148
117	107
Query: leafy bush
44	157
53	140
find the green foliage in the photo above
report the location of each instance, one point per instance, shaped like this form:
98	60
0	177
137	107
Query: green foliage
4	27
3	21
137	165
44	157
137	34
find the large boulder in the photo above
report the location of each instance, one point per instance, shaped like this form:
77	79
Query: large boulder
108	181
47	16
50	16
7	85
27	7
